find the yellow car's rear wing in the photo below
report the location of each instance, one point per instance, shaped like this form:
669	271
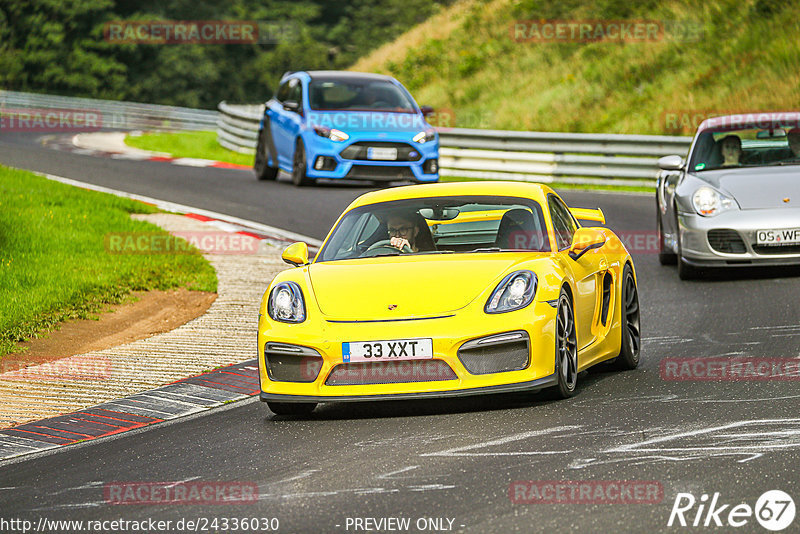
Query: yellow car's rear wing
589	214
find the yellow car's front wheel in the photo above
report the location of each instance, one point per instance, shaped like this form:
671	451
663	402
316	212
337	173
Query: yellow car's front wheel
566	347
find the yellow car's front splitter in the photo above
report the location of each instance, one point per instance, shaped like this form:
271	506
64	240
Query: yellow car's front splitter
472	353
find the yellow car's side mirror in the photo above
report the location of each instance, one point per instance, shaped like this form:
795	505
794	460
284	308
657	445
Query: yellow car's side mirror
296	254
584	240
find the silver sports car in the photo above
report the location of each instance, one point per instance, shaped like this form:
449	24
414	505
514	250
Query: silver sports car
736	200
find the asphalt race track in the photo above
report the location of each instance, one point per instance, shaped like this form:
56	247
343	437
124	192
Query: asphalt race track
455	460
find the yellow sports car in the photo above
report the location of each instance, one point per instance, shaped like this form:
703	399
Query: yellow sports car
448	289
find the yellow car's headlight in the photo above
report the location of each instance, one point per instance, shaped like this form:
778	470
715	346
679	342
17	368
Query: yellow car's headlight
286	303
514	292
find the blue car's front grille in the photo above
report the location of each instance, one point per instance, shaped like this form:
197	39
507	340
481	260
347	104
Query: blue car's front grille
360	151
377	172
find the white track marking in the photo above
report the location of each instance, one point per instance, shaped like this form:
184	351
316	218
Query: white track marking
748	440
403	470
304	474
462	451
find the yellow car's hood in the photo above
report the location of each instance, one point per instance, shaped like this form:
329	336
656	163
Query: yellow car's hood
417	286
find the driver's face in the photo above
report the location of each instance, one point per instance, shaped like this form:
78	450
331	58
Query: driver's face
399	227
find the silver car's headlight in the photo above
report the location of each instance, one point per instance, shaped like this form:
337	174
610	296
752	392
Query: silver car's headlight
709	202
286	303
514	292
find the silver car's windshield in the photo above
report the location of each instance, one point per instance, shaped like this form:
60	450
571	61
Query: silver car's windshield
438	225
745	148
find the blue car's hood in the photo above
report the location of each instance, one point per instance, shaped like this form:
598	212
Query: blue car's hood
368	121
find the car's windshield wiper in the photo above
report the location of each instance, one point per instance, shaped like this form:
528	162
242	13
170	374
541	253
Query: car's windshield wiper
383	254
487	249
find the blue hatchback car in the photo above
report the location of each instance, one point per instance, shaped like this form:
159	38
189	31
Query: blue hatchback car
345	125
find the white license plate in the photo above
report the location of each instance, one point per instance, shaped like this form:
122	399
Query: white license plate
786	236
395	349
382	153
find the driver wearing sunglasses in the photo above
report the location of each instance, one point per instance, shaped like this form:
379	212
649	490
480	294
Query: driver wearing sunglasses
402	232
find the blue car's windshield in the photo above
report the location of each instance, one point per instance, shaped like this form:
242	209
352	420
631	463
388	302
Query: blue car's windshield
359	95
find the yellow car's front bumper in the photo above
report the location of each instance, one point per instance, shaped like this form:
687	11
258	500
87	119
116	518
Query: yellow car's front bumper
410	379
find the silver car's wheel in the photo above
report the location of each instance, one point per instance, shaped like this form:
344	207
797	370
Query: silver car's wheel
685	271
566	348
665	257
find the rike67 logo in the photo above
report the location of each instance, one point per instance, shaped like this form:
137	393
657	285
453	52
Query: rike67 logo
774	510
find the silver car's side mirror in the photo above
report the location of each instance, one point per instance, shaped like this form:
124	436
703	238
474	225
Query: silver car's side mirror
671	163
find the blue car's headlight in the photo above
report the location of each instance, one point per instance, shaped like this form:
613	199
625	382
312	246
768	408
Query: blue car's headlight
331	133
514	292
286	303
424	137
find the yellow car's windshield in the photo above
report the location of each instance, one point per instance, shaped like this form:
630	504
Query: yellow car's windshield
438	225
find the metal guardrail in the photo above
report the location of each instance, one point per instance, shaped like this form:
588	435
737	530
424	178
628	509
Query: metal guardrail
607	159
562	157
117	114
237	127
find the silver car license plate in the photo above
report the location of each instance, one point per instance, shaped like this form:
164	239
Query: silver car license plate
784	236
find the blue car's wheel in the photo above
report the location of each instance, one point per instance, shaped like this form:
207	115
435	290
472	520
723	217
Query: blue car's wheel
263	152
299	177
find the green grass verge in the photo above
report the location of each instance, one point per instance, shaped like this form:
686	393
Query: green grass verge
54	264
201	144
